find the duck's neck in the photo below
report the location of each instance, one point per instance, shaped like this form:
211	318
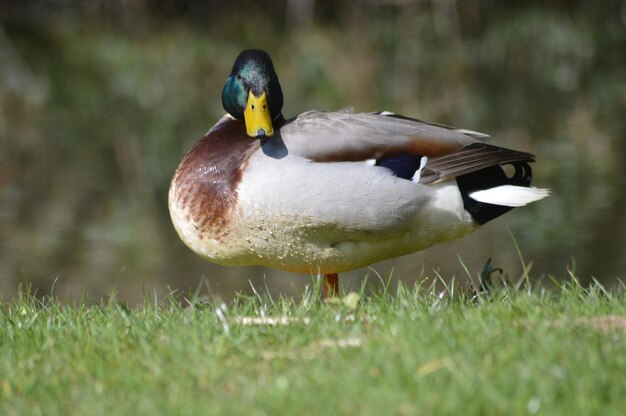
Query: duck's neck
278	121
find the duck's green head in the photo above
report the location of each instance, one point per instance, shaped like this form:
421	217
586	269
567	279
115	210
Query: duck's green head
252	93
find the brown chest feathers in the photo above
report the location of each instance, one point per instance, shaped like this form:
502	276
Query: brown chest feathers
205	184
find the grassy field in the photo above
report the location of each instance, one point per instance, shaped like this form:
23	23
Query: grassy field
414	351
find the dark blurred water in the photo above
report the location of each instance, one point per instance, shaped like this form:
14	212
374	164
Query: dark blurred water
100	100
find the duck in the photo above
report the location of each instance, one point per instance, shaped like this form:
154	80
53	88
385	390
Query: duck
327	192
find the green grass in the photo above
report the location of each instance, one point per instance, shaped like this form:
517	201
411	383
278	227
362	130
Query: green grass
561	351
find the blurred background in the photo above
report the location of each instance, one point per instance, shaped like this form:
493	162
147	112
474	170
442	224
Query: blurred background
100	99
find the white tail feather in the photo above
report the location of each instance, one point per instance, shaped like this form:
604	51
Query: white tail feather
510	195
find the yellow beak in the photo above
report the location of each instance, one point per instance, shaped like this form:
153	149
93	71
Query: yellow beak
257	116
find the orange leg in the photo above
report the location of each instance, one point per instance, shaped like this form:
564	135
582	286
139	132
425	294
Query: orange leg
330	284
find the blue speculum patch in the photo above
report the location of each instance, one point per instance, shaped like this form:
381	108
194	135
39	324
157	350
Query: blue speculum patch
403	166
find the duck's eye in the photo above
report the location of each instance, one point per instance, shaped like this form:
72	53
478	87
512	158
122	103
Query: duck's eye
252	106
238	77
264	107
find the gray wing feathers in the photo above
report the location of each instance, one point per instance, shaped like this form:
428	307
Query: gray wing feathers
470	159
342	136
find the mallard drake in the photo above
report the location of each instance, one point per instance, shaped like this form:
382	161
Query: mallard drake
327	192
